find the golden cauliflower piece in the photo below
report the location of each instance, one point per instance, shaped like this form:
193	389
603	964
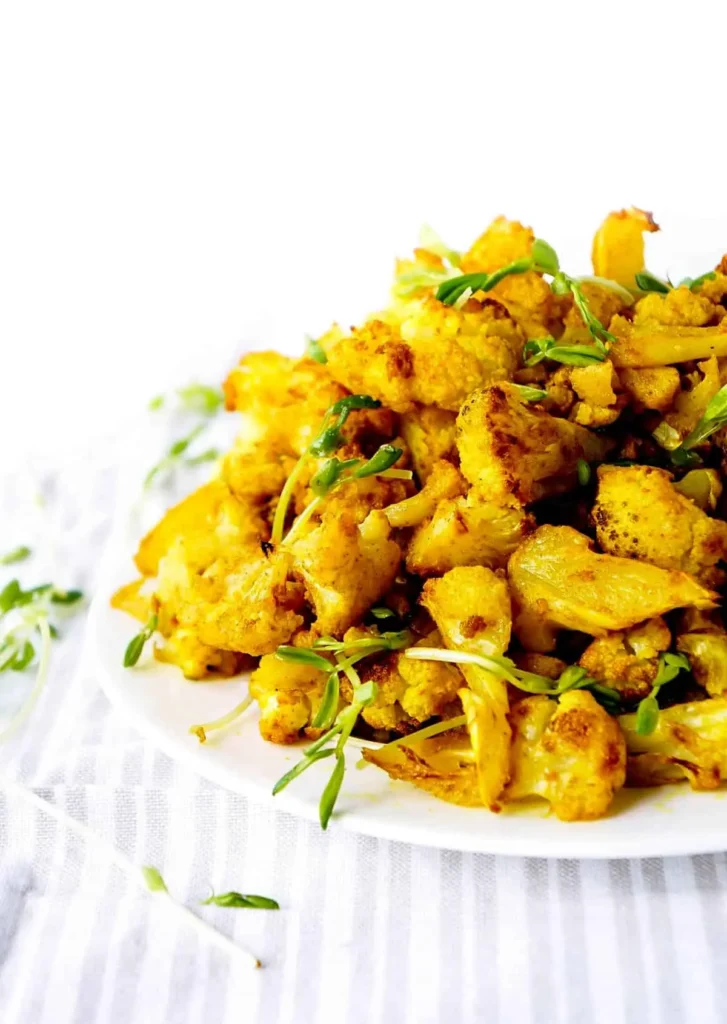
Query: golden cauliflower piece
680	307
690	740
704	641
628	661
183	648
558	582
510	449
409	692
471	608
288	694
652	387
444	481
436	356
345	567
571	753
527	297
652	344
618	245
690	404
640	514
429	435
467	530
443	766
603	302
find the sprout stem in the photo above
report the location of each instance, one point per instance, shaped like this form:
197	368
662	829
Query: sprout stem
219	723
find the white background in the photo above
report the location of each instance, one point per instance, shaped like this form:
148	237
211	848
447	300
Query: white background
178	182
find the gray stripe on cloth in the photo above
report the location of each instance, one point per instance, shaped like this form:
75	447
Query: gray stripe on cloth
630	959
398	901
309	973
485	1005
450	935
364	871
540	954
578	1003
668	994
715	927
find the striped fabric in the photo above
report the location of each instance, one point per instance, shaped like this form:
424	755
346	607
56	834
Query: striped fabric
369	931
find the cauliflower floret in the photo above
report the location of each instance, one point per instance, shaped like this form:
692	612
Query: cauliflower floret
436	356
618	245
288	694
639	514
345	566
680	307
429	435
510	449
652	344
571	753
628	661
443	482
471	608
443	766
197	660
527	297
690	740
256	474
603	302
467	531
409	692
558	581
284	400
690	404
651	387
704	641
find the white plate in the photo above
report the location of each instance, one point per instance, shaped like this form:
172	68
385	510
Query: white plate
162	705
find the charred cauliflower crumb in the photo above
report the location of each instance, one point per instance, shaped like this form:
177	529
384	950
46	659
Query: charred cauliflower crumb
628	661
510	449
640	514
571	753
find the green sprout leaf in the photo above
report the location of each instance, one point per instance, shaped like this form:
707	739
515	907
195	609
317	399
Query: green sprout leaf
201	399
18	554
584	472
647	713
9	596
66	596
382	613
137	643
154	881
647	282
303	656
236	899
530	394
695	282
330	793
314	350
538	349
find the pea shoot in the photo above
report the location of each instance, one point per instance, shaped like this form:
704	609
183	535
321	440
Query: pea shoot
421	276
529	394
538	349
338	724
584	472
137	643
314	350
712	420
236	899
647	282
196	398
647	713
26	633
176	456
18	554
335	471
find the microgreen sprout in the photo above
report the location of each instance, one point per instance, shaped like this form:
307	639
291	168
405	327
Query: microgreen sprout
24	622
538	349
236	899
177	456
200	731
712	420
572	678
339	724
529	394
422	276
647	713
18	554
542	259
335	471
196	398
137	643
647	282
584	472
314	350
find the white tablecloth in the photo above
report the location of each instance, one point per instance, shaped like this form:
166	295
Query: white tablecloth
369	931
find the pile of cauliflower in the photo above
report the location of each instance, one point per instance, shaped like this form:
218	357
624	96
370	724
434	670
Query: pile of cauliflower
537	514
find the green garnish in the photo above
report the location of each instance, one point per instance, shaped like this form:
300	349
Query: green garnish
694	282
530	394
154	881
572	678
542	259
18	554
174	456
538	349
584	472
340	723
29	612
562	284
326	442
200	731
647	713
196	398
713	419
647	282
314	350
137	643
430	240
236	899
382	613
419	277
